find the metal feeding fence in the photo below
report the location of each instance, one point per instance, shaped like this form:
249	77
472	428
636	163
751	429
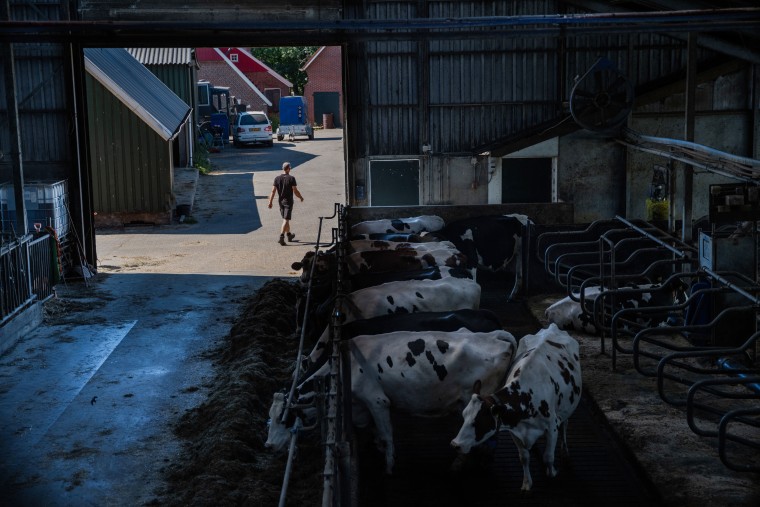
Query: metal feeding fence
701	346
332	399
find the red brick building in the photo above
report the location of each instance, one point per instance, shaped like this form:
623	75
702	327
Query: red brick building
250	80
324	88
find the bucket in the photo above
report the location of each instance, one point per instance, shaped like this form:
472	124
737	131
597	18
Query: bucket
327	120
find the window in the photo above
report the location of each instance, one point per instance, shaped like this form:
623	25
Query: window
204	94
394	182
233	57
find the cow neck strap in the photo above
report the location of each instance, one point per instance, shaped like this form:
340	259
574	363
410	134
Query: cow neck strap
494	401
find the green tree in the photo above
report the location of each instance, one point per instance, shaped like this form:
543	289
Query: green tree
287	61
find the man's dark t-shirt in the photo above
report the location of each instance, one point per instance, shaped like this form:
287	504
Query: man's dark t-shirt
284	184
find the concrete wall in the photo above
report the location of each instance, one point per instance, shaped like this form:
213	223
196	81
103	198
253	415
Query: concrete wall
721	131
540	213
591	175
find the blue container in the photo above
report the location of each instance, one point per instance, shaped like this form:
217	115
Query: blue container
221	120
293	111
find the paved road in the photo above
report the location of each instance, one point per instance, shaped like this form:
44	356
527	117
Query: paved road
88	400
234	228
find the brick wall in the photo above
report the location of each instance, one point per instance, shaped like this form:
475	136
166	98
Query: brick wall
220	74
325	75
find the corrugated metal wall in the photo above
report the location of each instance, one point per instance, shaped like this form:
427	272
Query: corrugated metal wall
459	95
44	118
182	81
131	164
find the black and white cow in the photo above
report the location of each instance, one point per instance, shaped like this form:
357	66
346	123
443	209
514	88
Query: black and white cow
407	237
412	296
403	260
413	225
427	373
398	269
398	265
363	245
371	279
492	243
541	392
568	313
466	318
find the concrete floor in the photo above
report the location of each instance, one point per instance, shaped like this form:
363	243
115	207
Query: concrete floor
88	399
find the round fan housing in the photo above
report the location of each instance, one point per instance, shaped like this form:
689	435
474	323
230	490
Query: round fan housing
602	98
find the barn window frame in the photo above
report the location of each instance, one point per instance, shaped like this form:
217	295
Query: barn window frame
376	164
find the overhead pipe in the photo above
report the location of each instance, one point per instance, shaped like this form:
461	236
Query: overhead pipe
706	41
669	21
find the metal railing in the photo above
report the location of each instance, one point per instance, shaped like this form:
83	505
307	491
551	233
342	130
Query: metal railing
28	273
331	392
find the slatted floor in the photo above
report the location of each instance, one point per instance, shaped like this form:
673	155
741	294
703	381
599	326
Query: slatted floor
597	472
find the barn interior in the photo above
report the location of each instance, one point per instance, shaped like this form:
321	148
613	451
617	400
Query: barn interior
627	131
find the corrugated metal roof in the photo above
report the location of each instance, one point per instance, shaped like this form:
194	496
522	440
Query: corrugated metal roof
138	89
163	56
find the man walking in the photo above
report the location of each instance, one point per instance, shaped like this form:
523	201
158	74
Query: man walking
285	187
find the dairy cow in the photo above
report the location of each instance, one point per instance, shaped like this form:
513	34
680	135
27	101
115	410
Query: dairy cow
427	373
412	296
412	225
370	279
542	390
403	260
472	320
492	243
363	245
398	265
397	236
398	269
568	313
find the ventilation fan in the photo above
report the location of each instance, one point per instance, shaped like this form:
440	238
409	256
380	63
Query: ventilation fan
602	98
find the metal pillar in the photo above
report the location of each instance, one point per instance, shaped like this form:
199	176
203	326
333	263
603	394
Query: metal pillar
9	71
688	172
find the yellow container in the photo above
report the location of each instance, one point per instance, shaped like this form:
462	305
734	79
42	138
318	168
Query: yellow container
657	210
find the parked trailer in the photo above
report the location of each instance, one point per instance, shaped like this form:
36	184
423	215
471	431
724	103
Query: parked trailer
294	119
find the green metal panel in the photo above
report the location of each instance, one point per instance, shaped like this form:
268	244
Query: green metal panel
131	164
178	78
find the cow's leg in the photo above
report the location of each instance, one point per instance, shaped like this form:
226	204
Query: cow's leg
382	417
563	431
552	433
524	454
518	268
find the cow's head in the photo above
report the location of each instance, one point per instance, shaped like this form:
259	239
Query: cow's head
278	435
324	266
481	421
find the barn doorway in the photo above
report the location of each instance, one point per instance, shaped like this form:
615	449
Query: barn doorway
327	103
527	180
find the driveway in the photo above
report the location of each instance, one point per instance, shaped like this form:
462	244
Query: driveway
88	400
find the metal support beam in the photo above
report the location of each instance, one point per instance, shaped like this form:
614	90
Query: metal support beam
755	116
688	173
423	83
11	98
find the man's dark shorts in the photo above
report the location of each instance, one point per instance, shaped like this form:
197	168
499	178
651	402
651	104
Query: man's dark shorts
286	209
